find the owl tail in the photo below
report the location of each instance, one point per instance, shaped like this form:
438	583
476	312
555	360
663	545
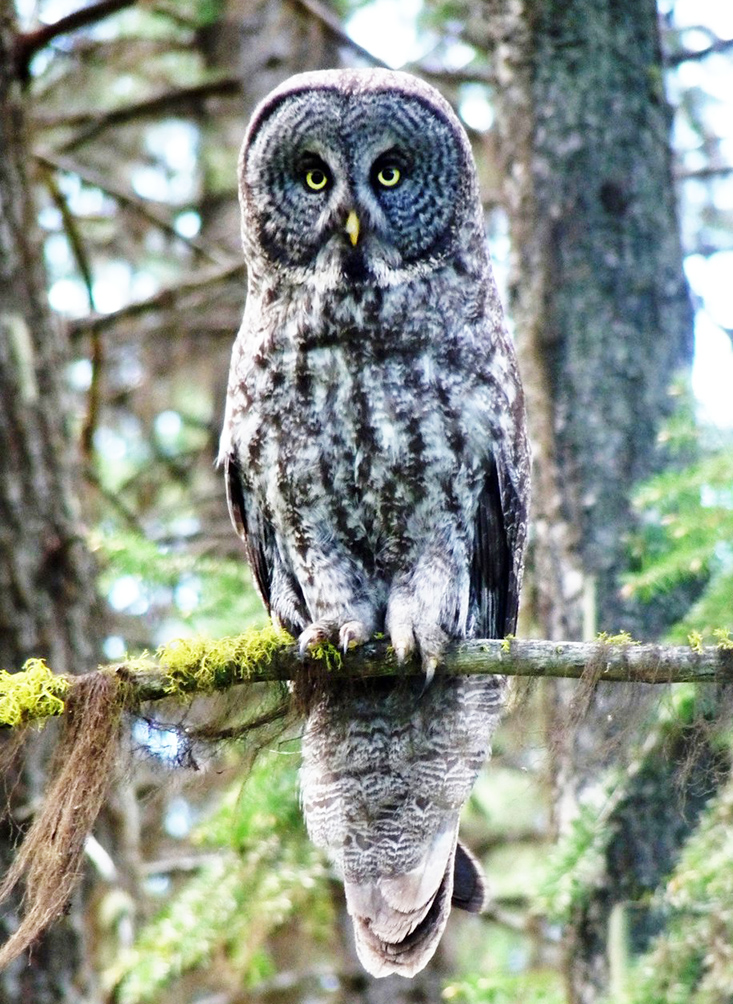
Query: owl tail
399	921
387	766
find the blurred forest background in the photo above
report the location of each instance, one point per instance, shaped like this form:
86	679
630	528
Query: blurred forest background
604	138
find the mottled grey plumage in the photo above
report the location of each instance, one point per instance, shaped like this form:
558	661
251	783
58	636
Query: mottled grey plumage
377	470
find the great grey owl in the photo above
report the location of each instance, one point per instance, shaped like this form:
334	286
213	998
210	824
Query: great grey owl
377	470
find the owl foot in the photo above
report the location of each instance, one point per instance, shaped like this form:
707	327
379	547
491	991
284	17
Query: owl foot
403	642
408	632
315	634
353	633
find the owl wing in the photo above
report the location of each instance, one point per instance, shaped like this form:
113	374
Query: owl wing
274	578
496	566
255	531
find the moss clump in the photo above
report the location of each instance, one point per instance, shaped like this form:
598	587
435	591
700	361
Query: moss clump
327	653
723	638
506	644
35	692
203	665
695	641
622	638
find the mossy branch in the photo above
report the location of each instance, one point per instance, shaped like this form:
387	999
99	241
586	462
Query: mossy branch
49	860
198	666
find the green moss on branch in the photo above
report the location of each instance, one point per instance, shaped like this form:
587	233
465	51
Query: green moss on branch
34	693
199	666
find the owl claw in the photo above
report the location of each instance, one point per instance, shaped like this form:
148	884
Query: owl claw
429	665
314	634
403	646
351	634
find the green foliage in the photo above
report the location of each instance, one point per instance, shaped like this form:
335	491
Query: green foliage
687	533
690	963
266	876
576	865
537	987
226	602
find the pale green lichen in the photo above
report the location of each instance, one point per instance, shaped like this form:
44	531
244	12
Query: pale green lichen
35	692
622	638
695	641
204	665
506	644
327	653
723	638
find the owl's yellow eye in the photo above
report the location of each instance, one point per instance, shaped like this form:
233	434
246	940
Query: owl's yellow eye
389	176
316	179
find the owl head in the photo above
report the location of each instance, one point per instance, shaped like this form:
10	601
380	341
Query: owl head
359	174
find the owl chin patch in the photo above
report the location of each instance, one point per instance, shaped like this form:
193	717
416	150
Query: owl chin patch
354	266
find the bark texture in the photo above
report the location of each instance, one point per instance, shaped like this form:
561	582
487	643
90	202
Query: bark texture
598	295
48	606
603	323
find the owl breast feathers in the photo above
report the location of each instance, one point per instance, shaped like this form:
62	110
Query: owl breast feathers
377	470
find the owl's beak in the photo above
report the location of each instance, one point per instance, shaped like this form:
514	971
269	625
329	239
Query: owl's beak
352	227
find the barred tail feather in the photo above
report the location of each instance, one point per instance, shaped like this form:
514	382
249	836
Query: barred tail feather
386	770
398	922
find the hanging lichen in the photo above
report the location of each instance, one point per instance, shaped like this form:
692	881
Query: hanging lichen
48	862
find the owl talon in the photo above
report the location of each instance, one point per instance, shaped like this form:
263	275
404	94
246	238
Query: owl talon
314	634
352	634
403	647
429	665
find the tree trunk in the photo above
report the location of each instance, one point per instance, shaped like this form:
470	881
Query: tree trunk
48	605
603	323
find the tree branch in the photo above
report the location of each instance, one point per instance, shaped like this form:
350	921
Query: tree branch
31	42
196	666
326	17
166	102
688	55
128	199
165	299
703	173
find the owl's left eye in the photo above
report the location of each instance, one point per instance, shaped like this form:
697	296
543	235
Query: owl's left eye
316	179
314	173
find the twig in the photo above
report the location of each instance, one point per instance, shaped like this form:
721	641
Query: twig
84	265
516	922
29	43
702	173
182	863
164	299
125	198
192	666
332	24
452	78
115	500
687	55
151	107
